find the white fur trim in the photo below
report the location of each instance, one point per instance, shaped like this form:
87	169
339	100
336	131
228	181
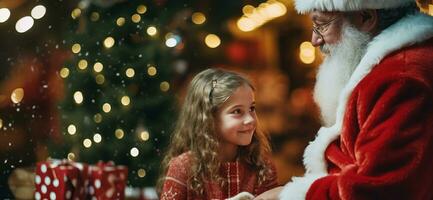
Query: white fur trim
314	159
305	6
298	187
408	31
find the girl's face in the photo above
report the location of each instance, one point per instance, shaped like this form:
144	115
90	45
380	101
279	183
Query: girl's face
236	119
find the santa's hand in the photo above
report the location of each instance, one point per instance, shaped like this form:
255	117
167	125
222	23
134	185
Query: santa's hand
242	196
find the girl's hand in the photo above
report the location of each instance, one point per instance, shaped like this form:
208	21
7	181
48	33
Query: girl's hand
271	194
242	196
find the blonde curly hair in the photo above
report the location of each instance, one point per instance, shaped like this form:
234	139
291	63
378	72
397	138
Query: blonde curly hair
195	131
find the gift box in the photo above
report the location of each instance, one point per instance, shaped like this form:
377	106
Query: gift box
60	180
148	193
107	181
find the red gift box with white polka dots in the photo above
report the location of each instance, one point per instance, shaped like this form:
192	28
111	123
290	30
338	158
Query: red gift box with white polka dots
60	180
107	181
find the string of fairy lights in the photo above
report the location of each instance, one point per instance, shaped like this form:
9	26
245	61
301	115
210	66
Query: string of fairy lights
171	40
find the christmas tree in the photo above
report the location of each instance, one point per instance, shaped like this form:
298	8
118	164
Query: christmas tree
118	105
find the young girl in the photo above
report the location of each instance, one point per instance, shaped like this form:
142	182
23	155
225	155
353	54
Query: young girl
216	152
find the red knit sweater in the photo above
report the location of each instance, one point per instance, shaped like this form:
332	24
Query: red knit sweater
240	178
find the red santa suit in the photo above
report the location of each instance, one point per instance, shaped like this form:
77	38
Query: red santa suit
381	146
239	176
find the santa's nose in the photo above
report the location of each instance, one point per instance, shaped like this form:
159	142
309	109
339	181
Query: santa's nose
316	39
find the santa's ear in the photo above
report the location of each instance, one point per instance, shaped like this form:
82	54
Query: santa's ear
368	20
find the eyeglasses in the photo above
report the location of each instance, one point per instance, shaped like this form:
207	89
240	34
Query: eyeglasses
319	29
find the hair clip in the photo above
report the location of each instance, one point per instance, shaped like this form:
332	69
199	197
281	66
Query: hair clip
214	84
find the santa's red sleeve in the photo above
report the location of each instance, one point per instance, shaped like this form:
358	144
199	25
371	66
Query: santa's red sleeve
175	187
393	146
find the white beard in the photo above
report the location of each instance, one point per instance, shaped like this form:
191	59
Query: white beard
336	69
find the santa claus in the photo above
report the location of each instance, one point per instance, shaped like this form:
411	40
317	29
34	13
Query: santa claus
375	92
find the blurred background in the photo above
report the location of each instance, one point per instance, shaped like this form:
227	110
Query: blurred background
95	80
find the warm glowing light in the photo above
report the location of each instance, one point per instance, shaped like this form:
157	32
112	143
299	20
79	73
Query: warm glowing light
109	42
71	156
78	97
248	9
17	95
134	152
141	173
72	129
76	48
130	72
100	79
4	14
87	143
97	138
151	71
171	42
168	35
212	41
262	10
106	107
256	17
275	10
141	9
136	18
125	100
76	13
38	11
307	53
164	86
64	72
120	21
246	24
98	67
97	118
94	16
119	133
82	64
144	135
152	31
430	9
24	24
198	18
1	123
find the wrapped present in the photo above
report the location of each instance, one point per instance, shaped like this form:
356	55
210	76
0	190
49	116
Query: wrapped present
60	180
148	193
107	181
